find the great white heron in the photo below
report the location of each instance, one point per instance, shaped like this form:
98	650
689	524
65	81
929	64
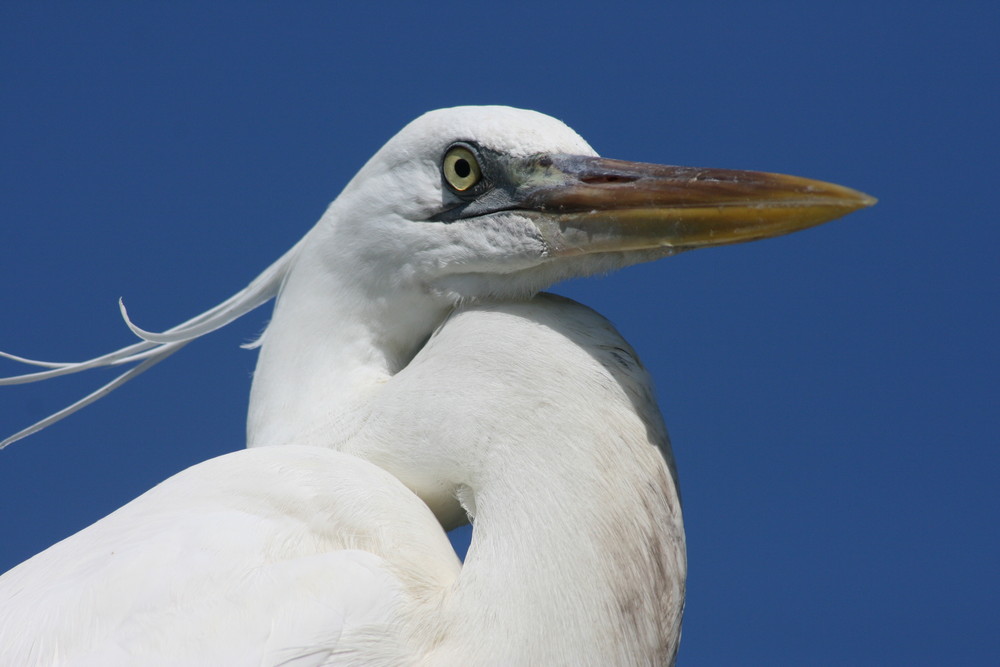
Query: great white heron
414	376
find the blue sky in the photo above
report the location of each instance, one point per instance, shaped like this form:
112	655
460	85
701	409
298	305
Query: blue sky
832	395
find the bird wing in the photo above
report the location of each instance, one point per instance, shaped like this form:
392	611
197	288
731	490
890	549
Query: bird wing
298	554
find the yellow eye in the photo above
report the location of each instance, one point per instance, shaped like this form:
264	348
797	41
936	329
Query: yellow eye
461	169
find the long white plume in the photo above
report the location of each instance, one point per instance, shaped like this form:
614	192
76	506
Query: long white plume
154	348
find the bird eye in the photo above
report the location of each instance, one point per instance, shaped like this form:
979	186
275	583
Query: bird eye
461	169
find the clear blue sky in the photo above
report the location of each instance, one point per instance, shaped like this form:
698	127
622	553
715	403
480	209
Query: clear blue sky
832	395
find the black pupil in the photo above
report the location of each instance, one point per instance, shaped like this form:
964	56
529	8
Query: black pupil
462	168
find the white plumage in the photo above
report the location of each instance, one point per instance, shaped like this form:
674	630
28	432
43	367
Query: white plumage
408	338
233	561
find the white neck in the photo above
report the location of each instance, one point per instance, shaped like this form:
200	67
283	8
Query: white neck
545	421
572	578
328	347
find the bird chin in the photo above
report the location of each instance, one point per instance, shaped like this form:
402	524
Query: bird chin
467	288
520	285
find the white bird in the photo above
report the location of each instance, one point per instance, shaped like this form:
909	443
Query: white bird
415	378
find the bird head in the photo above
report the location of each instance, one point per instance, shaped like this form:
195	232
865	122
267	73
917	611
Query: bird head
473	203
488	202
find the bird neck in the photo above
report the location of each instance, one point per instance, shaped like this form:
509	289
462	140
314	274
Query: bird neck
561	457
330	345
553	524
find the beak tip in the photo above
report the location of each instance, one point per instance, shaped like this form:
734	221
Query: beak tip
862	200
848	199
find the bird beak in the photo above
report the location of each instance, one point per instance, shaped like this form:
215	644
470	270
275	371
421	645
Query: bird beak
591	205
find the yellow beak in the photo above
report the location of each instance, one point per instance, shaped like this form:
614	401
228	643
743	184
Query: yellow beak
600	205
